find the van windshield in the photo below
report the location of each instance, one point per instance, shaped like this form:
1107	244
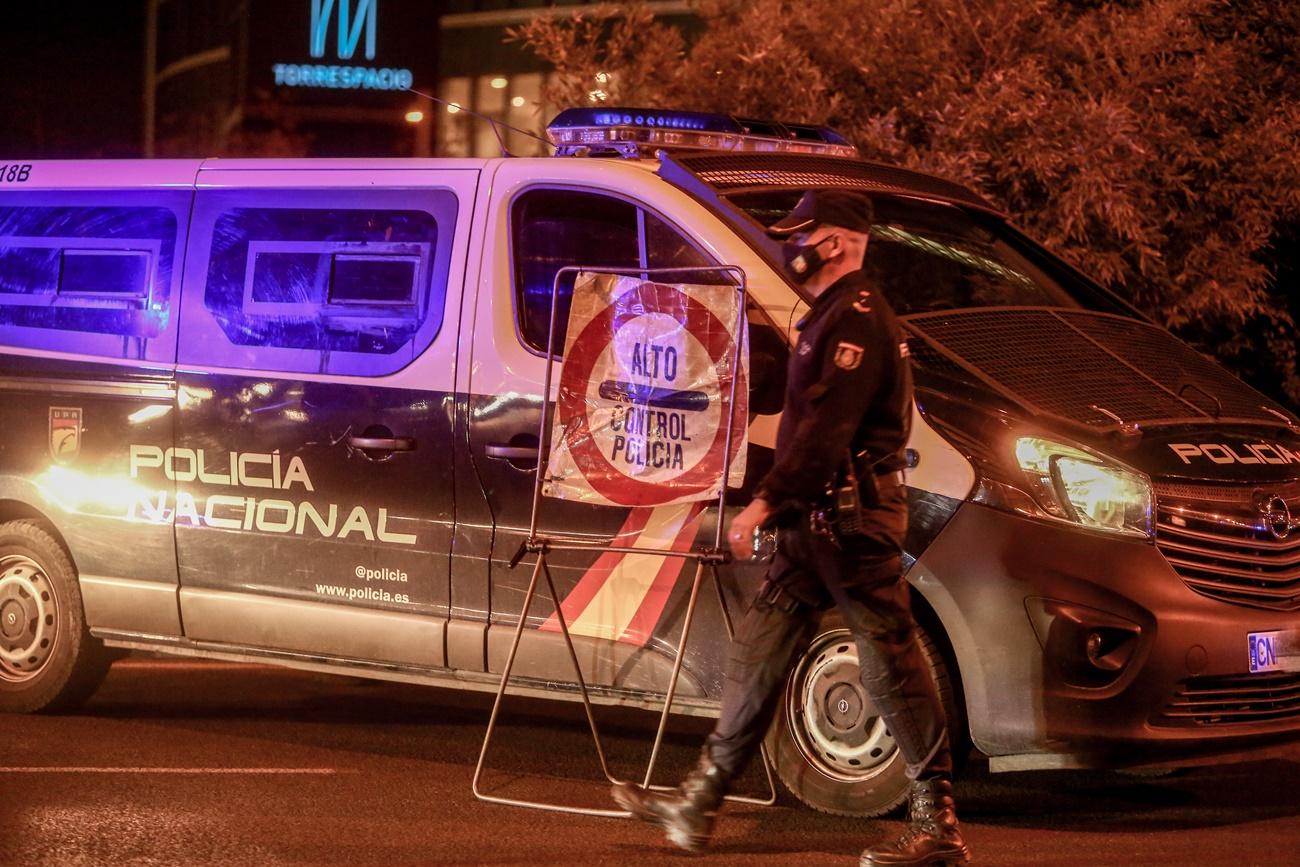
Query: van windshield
928	256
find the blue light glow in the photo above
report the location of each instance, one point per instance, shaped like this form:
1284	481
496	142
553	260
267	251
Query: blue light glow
581	117
592	126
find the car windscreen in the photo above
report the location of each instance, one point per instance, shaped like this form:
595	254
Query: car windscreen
929	256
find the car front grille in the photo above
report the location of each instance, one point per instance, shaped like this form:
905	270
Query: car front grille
1217	540
1239	698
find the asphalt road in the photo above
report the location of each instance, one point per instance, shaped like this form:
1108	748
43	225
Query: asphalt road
199	763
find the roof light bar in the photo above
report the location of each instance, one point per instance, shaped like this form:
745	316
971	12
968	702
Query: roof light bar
636	132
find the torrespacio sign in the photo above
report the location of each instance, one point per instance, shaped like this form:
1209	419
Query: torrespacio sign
644	394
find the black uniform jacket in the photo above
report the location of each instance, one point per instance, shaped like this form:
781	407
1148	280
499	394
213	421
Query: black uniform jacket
848	387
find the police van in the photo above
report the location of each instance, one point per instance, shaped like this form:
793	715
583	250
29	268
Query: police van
287	411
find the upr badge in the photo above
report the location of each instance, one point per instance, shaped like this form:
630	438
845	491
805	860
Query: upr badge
848	356
65	433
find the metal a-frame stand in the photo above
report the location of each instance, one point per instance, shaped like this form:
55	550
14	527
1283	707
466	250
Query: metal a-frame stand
542	544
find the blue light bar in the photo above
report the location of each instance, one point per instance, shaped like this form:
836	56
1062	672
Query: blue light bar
632	117
636	132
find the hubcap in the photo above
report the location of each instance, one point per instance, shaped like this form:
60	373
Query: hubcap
28	618
834	723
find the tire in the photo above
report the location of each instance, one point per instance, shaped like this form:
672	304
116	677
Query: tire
856	769
48	659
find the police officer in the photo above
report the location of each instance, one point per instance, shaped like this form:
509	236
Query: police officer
845	421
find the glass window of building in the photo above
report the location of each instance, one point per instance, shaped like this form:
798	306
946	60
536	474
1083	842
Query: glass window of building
512	99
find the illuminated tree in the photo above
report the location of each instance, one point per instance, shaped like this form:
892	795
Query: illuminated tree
1154	144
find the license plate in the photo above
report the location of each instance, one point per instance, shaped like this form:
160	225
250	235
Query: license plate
1274	651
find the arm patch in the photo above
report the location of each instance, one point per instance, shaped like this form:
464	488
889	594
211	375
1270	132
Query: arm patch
848	355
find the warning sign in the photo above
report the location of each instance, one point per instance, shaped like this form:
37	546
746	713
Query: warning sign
643	404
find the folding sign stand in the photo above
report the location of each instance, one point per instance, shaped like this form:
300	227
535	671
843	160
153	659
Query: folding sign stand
542	545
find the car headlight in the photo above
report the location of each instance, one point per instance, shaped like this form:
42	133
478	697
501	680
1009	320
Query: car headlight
1085	488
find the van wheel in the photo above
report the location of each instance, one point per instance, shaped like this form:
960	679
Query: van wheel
828	747
48	660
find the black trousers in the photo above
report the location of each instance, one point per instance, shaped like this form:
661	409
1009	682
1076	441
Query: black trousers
861	576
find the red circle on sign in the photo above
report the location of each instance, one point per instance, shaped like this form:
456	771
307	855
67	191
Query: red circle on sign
579	363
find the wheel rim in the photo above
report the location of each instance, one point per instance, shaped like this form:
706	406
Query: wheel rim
29	618
834	722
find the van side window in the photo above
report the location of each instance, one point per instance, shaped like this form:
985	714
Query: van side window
553	229
84	278
333	287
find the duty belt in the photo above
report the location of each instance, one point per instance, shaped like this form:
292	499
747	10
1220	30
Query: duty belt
844	512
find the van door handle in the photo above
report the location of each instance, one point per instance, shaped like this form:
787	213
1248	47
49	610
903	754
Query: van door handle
383	444
512	453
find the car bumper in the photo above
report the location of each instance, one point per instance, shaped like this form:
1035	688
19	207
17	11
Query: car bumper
1169	681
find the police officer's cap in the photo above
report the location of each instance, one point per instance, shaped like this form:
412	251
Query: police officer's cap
843	208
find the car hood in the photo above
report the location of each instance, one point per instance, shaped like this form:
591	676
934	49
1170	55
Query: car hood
1124	386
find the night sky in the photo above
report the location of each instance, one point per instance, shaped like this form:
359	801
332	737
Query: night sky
72	78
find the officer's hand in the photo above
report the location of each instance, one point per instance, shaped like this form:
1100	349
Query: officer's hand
741	535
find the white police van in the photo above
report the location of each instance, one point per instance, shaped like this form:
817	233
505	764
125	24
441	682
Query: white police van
287	411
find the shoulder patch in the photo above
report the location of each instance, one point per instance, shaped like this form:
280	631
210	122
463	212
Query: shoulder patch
863	304
848	355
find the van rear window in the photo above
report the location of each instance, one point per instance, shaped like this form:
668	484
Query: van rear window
90	278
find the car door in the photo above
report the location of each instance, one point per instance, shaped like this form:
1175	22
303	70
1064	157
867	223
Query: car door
315	502
618	605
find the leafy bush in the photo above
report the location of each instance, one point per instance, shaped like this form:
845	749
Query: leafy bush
1153	144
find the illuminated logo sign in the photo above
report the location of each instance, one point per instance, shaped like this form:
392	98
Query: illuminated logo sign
349	28
351	20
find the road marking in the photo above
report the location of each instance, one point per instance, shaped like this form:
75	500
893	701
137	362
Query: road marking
324	772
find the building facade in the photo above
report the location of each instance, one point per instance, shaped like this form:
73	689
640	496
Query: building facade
344	77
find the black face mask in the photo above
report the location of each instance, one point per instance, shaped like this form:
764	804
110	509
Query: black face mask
803	260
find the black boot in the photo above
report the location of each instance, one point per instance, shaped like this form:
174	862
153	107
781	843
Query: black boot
687	813
932	835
